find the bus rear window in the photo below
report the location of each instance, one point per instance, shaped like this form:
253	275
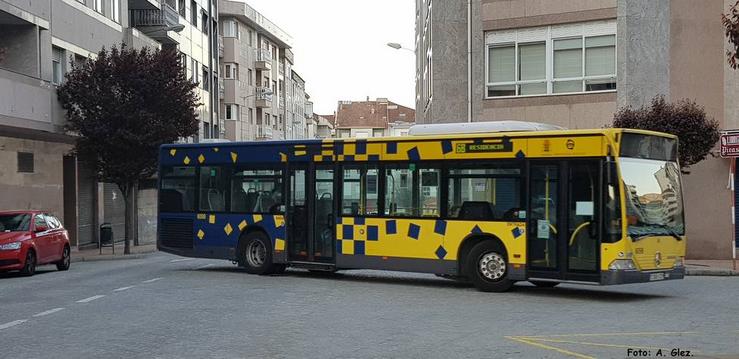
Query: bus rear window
177	193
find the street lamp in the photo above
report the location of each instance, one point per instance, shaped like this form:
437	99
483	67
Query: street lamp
398	46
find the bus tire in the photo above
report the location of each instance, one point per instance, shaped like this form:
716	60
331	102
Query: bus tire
487	267
541	284
256	255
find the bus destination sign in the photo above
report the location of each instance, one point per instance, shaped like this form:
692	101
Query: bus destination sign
482	147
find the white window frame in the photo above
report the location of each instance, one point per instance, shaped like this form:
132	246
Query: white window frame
548	35
234	112
231	29
230	71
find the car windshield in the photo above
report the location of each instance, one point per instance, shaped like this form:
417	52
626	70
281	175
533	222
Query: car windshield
654	204
14	222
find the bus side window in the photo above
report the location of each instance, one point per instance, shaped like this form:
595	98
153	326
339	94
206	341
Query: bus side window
213	183
177	192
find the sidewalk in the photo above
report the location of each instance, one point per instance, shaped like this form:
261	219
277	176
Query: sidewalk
89	255
710	267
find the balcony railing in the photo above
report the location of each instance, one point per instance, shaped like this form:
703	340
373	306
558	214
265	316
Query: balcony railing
264	133
165	17
264	55
264	93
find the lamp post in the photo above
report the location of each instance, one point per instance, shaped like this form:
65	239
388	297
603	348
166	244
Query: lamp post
175	28
398	46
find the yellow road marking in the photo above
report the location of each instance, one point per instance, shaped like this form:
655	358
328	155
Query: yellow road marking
606	334
600	344
549	347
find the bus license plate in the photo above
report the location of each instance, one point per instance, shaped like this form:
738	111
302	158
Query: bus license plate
657	276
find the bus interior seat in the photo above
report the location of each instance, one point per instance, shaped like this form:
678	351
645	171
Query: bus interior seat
173	199
239	200
251	199
264	202
215	200
476	210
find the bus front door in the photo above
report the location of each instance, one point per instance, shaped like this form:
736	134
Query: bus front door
564	202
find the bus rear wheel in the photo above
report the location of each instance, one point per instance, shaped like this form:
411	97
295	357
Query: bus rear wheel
487	267
256	255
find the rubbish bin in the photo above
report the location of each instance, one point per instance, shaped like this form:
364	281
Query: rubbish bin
106	234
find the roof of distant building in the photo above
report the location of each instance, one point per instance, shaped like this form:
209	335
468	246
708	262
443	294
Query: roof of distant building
371	114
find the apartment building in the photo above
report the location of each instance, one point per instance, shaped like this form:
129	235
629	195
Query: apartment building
363	119
574	63
40	40
262	97
324	125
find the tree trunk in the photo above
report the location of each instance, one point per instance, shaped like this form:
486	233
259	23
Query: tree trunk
129	192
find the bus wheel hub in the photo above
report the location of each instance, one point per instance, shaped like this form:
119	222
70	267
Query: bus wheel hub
492	266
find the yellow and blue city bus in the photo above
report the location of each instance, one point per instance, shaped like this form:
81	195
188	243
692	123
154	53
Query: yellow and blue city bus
599	206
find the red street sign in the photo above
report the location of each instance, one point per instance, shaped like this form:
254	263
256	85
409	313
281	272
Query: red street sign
730	145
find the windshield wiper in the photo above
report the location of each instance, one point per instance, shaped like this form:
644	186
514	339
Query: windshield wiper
670	231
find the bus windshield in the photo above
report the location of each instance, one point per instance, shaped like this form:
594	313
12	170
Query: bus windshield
654	204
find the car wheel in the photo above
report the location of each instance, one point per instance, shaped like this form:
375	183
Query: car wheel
544	284
487	267
29	267
66	259
256	257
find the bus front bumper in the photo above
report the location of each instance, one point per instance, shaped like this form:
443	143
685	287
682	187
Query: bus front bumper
611	277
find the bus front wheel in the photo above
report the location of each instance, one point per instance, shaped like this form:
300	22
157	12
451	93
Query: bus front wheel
256	255
487	267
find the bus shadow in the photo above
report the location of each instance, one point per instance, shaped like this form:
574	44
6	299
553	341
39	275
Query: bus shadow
586	293
581	293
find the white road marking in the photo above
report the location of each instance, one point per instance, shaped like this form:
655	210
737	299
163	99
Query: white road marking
205	266
122	289
50	311
181	260
12	324
152	280
90	299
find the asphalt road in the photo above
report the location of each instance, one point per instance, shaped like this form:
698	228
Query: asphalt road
170	307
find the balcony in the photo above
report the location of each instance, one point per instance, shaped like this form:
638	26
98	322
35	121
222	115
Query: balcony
264	133
264	60
221	89
263	97
156	23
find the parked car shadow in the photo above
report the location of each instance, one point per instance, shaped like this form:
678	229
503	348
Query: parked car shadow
17	274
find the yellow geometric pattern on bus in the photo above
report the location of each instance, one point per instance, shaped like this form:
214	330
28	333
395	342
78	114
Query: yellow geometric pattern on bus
423	238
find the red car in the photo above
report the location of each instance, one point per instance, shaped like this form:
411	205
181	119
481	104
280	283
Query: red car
32	238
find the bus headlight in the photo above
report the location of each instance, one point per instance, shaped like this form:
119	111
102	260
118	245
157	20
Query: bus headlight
621	264
679	262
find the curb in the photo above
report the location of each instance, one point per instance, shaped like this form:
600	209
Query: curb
110	257
711	272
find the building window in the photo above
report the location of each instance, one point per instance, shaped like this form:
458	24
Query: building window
231	71
378	132
99	6
250	116
251	38
249	80
206	77
57	65
204	18
572	58
181	7
195	73
25	162
231	29
232	112
194	13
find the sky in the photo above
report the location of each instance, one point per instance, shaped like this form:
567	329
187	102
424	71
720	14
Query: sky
340	48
